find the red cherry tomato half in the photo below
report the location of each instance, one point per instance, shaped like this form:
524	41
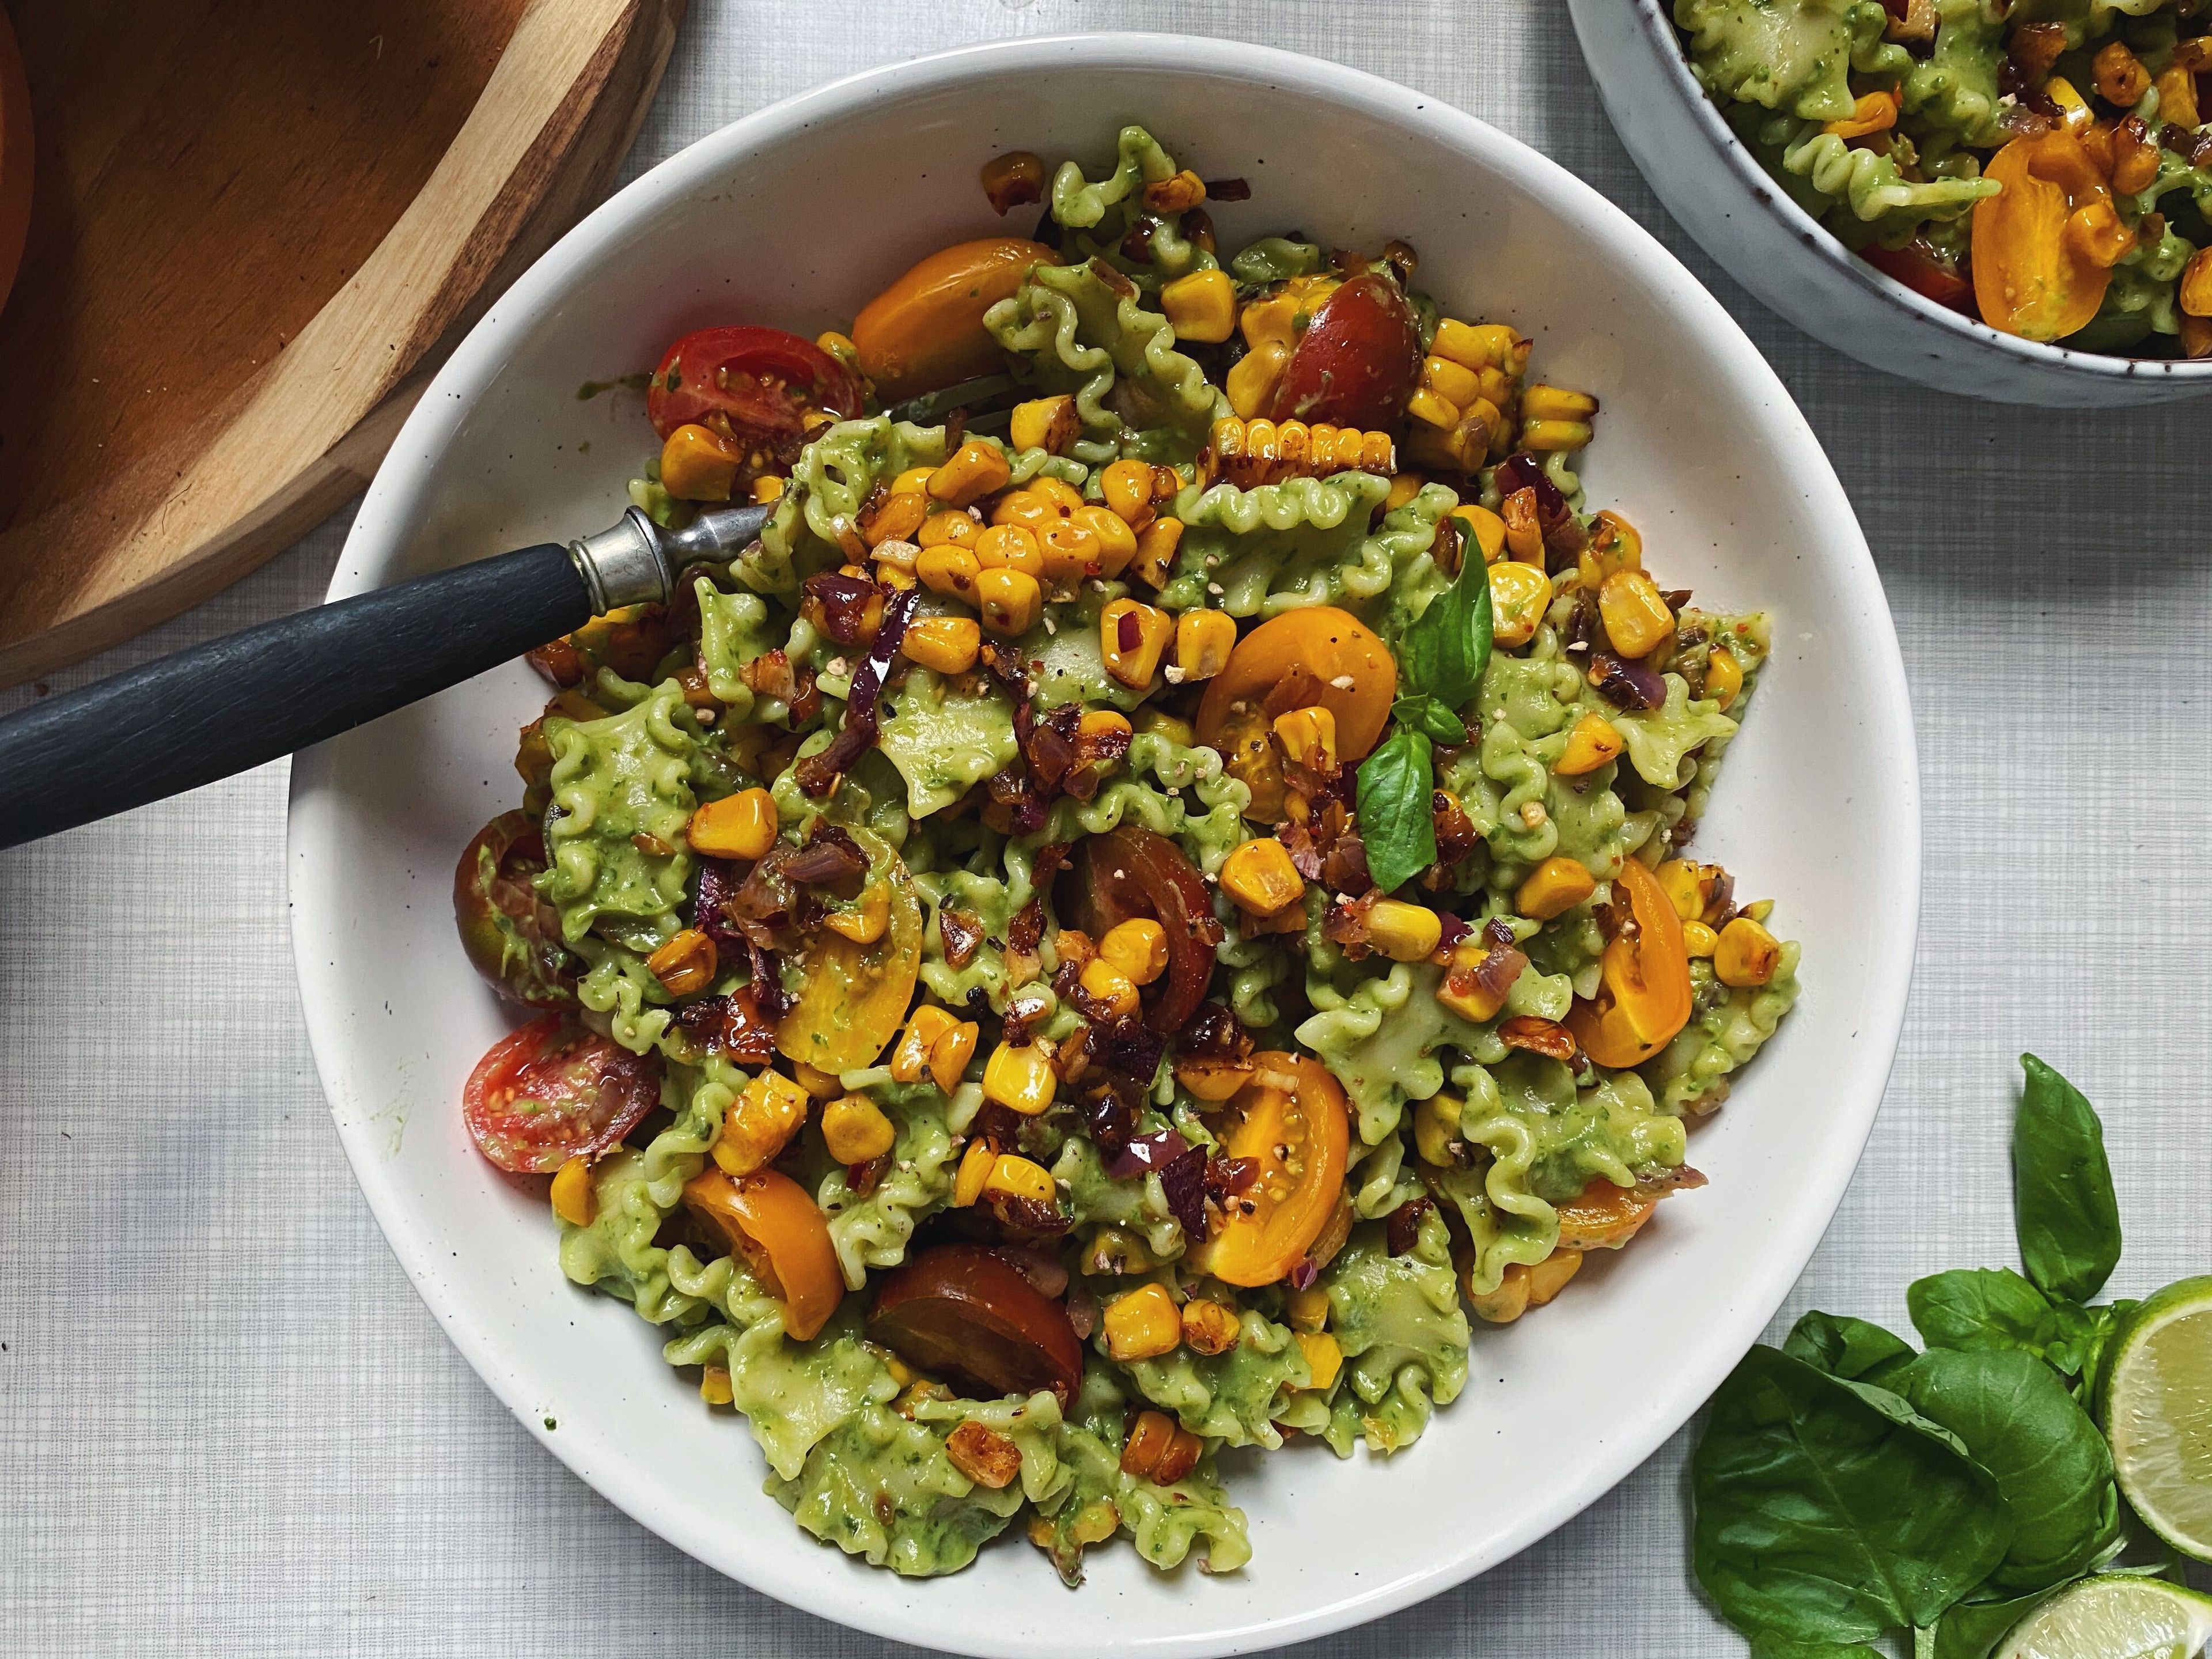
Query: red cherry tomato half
554	1091
512	937
1358	361
1129	871
760	379
1919	269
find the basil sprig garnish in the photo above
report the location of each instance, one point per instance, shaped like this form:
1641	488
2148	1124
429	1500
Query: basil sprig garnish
1441	657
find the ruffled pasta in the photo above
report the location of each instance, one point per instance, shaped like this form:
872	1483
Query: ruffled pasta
624	776
1233	1397
828	487
1793	56
1692	1073
1404	1335
1079	335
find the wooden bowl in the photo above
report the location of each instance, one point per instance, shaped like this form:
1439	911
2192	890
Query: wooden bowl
257	226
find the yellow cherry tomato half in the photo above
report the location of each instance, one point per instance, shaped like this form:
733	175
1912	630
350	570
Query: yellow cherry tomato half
768	1219
853	997
925	330
1299	1137
1344	667
2031	277
1644	993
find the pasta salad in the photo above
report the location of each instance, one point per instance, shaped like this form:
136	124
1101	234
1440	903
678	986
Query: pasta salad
1156	889
2044	166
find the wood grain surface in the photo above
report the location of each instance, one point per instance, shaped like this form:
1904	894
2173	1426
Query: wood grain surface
256	228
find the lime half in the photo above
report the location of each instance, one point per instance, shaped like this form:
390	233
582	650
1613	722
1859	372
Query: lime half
2115	1618
2156	1405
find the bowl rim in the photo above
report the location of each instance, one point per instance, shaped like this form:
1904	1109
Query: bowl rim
319	895
1825	244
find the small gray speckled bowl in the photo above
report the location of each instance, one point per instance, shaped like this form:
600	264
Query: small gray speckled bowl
1717	189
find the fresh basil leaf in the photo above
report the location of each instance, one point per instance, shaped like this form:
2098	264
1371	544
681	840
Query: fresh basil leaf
1395	825
1972	1628
2092	1348
1445	650
2018	1421
1829	1510
2063	1207
1853	1349
1768	1646
1425	714
1977	1309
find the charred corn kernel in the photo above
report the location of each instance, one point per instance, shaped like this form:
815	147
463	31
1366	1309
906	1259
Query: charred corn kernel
1874	111
1699	940
1208	1328
1115	1250
1556	403
975	1169
983	1455
1179	193
1685	884
1156	551
1117	543
1455	382
1524	530
914	481
1150	1434
684	964
949	1055
896	560
714	1386
1160	723
1614	546
1484	528
1071	551
1010	547
1519	596
948	530
1309	737
1324	1359
1142	1325
1248	452
2194	54
760	1123
698	464
2096	232
1435	1128
1048	423
1403	488
2135	156
1201	305
574	1200
1020	1079
871	914
973	471
1136	949
1011	601
910	1059
855	1130
1553	887
1402	931
739	826
1251	378
1126	486
1431	410
1636	617
1012	1176
1594	741
2196	293
1131	638
949	569
1056	492
1465	995
1112	990
1203	641
2177	97
1504	1304
1747	954
1545	436
2121	77
1467	446
1259	876
949	645
1308	1310
896	517
1101	725
767	488
1480	345
1547	1278
819	1084
1724	677
1212	1079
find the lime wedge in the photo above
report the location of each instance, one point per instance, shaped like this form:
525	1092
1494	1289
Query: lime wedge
2156	1404
2114	1617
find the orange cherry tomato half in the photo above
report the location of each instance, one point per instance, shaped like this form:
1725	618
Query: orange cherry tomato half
1604	1217
1300	1139
853	997
768	1219
925	330
2031	278
554	1091
1352	672
1643	996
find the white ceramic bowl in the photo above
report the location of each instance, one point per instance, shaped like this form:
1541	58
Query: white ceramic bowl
796	215
1716	188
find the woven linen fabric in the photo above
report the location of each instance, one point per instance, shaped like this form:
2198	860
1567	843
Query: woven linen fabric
228	1425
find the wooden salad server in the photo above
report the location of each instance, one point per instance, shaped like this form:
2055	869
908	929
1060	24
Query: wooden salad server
232	703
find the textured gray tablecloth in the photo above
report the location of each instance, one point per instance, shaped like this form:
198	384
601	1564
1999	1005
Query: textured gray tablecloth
227	1426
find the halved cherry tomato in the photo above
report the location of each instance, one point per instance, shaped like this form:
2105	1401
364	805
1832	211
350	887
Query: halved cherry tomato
1917	266
768	1219
1643	993
1352	672
853	997
1130	872
1358	361
554	1091
1300	1138
2031	277
925	330
512	937
963	1314
1604	1217
758	379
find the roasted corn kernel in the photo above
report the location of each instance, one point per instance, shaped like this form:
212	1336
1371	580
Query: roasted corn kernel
910	1057
1431	410
1636	617
1048	423
1435	1128
685	964
1699	940
2196	293
1402	931
1011	601
1556	885
1131	638
1251	452
1519	596
574	1199
949	1055
971	472
855	1130
760	1122
1259	876
1020	1079
697	463
1208	1326
1484	528
1201	305
1014	1176
975	1169
950	645
1138	948
767	488
1480	345
1872	112
1117	543
1545	436
818	1084
1010	547
2177	97
1455	382
1464	993
1126	486
1747	954
1593	742
1113	991
1203	641
2121	77
983	1455
871	914
1142	1325
1156	551
1250	382
1324	1359
1306	1310
739	826
1309	737
1686	885
715	1385
1212	1079
1724	677
898	517
950	529
1071	550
